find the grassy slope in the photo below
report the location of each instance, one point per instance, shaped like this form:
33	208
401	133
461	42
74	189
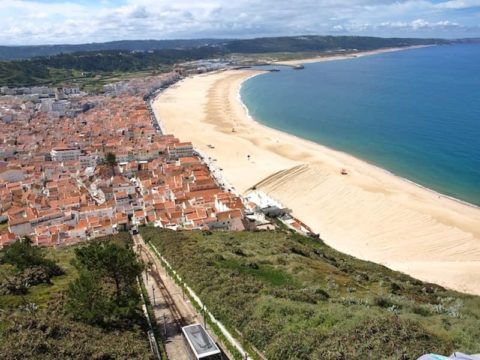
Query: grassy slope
295	298
52	334
12	74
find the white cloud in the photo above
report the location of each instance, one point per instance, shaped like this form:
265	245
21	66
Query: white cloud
32	21
419	24
458	4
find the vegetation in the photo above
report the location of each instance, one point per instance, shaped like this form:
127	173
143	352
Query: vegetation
3	227
111	161
105	292
42	324
86	65
28	267
293	297
23	255
320	43
26	52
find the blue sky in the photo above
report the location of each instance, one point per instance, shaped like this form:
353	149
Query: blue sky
28	22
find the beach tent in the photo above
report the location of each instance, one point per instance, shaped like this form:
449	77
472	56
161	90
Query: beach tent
458	356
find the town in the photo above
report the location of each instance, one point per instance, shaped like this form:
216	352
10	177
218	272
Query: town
75	167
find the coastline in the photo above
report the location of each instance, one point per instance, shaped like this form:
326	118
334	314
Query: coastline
378	168
371	213
356	55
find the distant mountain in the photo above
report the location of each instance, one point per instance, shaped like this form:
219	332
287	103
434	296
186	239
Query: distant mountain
26	52
258	45
321	43
468	41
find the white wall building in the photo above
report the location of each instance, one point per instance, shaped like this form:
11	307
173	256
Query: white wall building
65	154
88	161
179	150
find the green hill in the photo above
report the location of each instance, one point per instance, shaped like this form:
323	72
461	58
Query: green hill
59	64
26	52
270	44
293	297
321	43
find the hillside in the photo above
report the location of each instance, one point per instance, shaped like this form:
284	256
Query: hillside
35	323
83	64
26	52
293	297
270	44
87	67
321	43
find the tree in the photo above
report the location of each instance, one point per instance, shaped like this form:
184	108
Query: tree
108	280
85	299
23	255
117	265
111	160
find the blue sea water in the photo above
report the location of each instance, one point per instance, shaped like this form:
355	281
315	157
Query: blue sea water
415	113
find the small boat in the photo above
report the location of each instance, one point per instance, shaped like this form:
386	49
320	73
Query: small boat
274	70
298	67
344	172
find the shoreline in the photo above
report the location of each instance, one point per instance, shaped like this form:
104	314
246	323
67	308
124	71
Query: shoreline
356	55
372	213
343	57
379	168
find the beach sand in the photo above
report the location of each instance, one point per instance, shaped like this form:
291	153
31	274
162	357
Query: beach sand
316	59
368	213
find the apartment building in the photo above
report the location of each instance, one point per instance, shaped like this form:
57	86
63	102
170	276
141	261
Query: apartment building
65	153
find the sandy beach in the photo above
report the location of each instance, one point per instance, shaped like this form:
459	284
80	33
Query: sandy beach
316	59
368	213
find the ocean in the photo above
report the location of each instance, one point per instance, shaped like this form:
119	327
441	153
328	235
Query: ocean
415	113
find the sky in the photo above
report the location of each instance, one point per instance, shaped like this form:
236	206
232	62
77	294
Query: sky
35	22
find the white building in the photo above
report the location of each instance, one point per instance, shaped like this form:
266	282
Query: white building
60	107
97	211
88	161
123	185
65	154
178	150
46	105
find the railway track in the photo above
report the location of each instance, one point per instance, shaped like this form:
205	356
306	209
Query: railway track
177	319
